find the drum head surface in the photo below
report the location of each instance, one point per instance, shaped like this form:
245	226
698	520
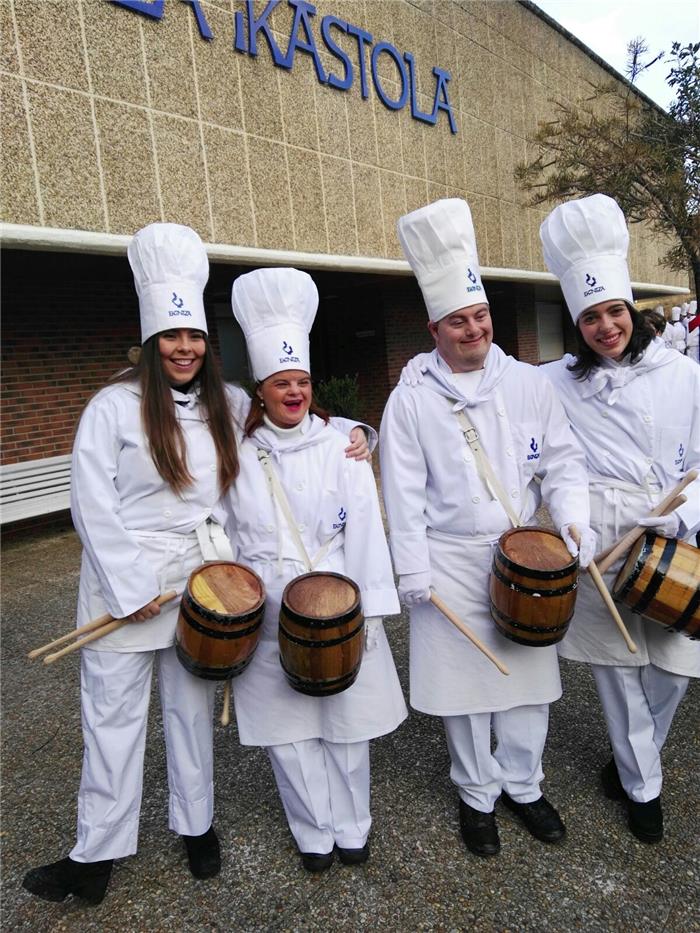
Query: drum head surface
321	595
536	549
225	587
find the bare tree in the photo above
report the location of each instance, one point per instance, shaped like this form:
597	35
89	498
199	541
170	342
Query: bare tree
617	142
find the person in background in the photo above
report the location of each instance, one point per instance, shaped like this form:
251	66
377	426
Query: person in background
693	332
300	505
445	519
622	392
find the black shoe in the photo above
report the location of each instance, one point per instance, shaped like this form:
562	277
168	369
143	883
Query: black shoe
646	820
203	854
56	881
612	785
539	818
312	861
353	856
479	830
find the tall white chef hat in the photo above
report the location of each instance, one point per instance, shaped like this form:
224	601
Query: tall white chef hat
439	242
675	313
585	245
693	308
275	308
170	269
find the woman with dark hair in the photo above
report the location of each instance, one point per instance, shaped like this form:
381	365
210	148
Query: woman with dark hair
154	452
299	505
621	392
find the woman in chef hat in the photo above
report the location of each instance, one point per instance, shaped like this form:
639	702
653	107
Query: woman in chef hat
621	391
327	518
154	451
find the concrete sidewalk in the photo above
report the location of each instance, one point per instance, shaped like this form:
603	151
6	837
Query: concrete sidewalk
420	876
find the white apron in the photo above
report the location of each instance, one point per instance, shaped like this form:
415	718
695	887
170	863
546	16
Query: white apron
449	676
592	635
270	712
172	558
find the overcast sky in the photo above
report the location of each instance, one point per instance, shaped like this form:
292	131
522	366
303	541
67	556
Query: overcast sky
606	26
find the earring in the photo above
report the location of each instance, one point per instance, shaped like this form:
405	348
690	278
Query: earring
262	403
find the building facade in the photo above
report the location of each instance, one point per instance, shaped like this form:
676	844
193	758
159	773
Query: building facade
284	133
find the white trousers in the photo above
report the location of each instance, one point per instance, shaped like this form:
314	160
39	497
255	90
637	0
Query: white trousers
638	704
516	764
115	694
324	788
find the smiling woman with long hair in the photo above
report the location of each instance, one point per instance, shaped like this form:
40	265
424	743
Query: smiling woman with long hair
634	406
154	451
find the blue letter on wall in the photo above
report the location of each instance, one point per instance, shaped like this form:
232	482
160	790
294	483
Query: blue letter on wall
155	9
302	11
335	50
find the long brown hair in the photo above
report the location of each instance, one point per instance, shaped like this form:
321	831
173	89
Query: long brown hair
586	359
257	410
161	427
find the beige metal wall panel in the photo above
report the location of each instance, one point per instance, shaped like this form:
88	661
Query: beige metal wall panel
19	188
114	119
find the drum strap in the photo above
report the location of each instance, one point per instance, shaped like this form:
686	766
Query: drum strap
484	468
279	495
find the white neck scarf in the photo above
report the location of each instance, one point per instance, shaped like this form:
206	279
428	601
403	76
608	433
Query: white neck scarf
609	378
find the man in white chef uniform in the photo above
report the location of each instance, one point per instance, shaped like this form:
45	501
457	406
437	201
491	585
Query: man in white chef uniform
445	518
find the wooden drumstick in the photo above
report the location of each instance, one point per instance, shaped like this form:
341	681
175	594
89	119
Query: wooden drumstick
607	558
605	595
448	614
72	635
100	631
225	710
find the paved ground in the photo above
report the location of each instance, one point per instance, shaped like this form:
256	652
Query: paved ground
420	876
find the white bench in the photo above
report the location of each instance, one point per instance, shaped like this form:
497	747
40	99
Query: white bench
34	487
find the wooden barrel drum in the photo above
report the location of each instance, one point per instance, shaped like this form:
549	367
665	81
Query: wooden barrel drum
321	633
661	580
221	612
533	586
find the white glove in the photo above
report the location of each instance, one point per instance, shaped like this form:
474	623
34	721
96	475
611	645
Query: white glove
414	588
666	525
412	373
372	628
585	551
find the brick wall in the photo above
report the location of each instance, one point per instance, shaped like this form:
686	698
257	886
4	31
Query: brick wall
70	319
68	323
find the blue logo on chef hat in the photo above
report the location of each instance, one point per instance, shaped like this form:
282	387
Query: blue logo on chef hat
593	286
474	287
681	454
535	455
342	515
288	353
178	309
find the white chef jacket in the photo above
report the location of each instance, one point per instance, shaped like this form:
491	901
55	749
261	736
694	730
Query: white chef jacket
680	336
334	500
639	425
137	534
443	520
669	335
